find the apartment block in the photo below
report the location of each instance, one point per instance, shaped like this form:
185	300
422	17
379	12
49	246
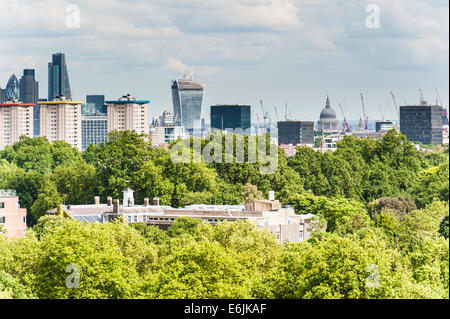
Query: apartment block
127	113
13	219
60	120
16	119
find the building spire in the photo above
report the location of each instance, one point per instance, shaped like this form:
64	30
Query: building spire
328	104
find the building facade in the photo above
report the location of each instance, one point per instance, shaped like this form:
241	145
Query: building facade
422	123
328	121
29	93
163	135
267	215
127	113
384	126
58	77
187	98
296	132
94	130
16	119
60	120
234	116
13	219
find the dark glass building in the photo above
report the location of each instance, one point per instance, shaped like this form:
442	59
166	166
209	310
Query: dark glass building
29	93
295	132
422	123
58	77
187	98
96	104
225	117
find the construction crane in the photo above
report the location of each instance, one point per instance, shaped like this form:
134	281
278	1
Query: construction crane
422	98
347	127
264	114
395	104
366	118
439	98
286	112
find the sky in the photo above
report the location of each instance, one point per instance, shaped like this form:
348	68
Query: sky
243	51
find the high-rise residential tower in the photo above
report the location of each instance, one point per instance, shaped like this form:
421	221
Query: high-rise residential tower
58	77
60	120
235	116
29	93
16	119
187	97
127	113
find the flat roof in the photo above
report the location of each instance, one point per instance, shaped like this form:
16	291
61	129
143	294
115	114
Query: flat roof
128	102
17	104
60	102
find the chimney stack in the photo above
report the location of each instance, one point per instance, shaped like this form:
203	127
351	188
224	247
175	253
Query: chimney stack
146	201
97	200
116	206
109	201
156	201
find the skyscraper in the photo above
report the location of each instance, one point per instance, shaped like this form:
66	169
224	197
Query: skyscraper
98	102
58	77
422	123
13	88
29	93
16	120
187	97
233	117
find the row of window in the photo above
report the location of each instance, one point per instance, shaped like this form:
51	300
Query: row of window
3	219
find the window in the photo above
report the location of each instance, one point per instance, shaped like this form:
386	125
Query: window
144	219
129	219
301	235
2	219
24	219
2	205
135	218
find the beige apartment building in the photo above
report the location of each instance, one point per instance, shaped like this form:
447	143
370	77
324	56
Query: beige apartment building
129	114
60	120
13	219
16	119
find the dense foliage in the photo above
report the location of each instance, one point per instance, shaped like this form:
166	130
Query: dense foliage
381	208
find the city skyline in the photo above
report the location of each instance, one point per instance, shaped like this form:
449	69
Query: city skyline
299	55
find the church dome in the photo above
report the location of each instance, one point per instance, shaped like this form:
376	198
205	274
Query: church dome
328	113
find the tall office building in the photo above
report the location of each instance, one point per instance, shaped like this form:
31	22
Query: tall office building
16	119
3	97
187	97
29	93
233	117
96	103
13	89
422	123
94	130
60	119
296	132
127	113
58	77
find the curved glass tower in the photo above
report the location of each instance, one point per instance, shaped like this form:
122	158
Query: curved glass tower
187	97
12	88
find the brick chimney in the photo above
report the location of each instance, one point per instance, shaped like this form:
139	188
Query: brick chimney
146	201
109	201
156	201
97	200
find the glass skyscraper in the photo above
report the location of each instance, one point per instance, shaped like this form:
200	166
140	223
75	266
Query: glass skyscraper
29	93
13	88
97	102
187	97
233	117
58	77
